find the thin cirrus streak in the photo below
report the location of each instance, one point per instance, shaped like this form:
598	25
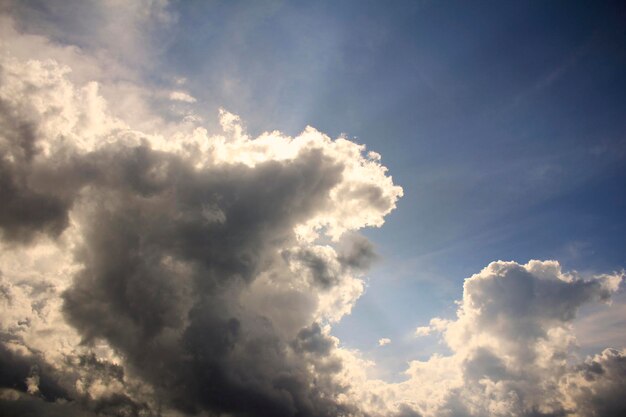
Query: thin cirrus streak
188	273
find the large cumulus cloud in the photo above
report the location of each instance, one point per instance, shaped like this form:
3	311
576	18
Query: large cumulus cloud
188	267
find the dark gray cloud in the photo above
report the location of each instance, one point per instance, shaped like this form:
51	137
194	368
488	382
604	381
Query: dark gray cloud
356	252
16	368
328	267
161	280
16	403
322	274
30	386
26	209
599	384
312	340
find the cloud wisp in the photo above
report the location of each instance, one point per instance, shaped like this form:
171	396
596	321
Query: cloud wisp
182	273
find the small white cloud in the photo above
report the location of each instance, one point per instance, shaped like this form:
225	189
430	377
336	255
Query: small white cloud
384	341
182	96
436	325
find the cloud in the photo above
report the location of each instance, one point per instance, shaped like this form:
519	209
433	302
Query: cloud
436	325
384	341
179	273
422	331
169	271
512	346
597	386
181	96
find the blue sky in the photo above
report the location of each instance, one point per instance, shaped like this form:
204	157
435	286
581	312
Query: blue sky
502	121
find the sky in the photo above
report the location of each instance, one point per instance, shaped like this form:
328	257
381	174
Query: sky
295	208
